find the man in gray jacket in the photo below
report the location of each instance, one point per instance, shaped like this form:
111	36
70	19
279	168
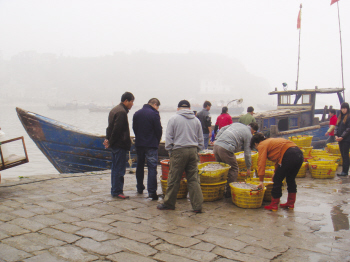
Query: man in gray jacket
183	141
229	140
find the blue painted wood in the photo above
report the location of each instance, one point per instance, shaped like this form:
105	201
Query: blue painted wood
68	148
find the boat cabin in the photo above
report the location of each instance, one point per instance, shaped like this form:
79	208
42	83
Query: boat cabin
295	109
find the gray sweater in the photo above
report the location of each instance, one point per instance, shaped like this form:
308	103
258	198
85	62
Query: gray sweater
233	137
184	130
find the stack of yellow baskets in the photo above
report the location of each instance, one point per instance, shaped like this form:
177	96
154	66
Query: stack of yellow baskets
333	149
268	183
242	166
302	140
246	198
213	182
164	180
323	169
302	171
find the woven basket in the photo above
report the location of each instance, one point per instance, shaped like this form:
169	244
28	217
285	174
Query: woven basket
165	169
319	152
306	150
333	148
301	141
206	158
212	192
182	190
241	161
302	171
215	176
322	169
246	198
267	184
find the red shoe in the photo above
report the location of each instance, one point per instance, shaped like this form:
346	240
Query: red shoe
274	204
290	201
122	196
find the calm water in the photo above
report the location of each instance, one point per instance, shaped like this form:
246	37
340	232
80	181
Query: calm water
95	122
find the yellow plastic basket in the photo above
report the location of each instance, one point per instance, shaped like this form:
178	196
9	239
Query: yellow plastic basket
319	152
241	161
334	159
246	198
215	176
212	192
302	171
242	176
301	141
269	163
307	150
333	148
267	184
322	169
182	190
340	163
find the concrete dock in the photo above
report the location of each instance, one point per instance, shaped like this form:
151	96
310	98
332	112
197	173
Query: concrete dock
72	217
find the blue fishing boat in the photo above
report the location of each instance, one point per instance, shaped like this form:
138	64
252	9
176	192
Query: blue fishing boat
296	115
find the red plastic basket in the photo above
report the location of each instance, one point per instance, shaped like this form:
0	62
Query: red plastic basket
207	158
165	169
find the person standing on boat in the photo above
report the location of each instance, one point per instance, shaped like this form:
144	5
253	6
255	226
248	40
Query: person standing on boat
229	140
148	132
248	117
332	124
288	159
223	120
183	141
205	119
342	136
118	140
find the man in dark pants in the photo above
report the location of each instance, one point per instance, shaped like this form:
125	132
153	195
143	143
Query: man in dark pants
183	141
205	118
148	132
118	140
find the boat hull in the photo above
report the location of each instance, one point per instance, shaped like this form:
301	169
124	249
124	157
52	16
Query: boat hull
69	149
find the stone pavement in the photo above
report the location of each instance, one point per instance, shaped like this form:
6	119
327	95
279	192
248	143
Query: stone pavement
72	217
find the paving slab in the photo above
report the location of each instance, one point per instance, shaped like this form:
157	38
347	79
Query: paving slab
125	256
72	217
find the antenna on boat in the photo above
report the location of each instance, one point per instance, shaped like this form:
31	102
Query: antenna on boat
239	101
298	27
341	47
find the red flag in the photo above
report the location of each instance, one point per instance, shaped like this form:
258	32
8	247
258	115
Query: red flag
334	1
299	18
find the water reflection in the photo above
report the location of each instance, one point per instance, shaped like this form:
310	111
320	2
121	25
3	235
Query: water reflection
339	219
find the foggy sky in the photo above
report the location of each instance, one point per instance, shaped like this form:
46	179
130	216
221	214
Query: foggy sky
262	35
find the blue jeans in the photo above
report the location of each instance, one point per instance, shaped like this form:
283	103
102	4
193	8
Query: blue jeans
206	140
151	156
118	170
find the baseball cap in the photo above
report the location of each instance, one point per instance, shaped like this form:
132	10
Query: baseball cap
184	103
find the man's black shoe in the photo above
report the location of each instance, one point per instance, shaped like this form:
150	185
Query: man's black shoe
198	211
140	192
154	196
164	207
342	174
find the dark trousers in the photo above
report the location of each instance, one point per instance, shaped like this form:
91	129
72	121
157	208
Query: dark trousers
291	162
118	170
184	159
151	156
344	151
227	157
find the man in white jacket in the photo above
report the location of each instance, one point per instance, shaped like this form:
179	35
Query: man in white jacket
183	141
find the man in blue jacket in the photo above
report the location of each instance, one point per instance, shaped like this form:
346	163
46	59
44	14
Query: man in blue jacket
148	132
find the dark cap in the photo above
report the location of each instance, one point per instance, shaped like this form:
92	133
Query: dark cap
184	103
250	109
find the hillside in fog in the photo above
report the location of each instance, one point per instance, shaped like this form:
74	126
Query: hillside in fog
49	78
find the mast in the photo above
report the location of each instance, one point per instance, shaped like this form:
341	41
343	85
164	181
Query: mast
298	27
341	53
